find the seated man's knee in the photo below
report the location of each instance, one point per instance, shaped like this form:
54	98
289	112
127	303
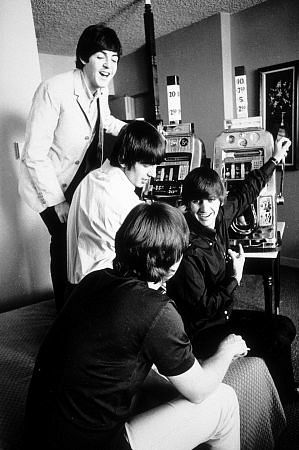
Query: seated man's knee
228	396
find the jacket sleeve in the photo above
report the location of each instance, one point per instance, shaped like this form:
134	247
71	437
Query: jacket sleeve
41	125
111	124
239	199
197	300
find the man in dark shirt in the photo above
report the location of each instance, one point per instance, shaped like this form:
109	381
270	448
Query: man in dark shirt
204	285
114	327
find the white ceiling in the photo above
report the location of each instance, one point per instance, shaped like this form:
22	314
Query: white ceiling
59	23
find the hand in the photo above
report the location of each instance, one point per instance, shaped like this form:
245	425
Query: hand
182	208
281	148
62	211
238	260
235	345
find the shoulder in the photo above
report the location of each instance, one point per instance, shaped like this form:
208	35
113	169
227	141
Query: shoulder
61	83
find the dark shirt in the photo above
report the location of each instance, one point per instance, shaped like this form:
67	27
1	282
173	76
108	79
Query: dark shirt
203	287
101	348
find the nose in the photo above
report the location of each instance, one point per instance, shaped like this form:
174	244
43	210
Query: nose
203	204
152	171
106	62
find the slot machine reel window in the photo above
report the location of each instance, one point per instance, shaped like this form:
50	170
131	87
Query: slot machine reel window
236	165
170	175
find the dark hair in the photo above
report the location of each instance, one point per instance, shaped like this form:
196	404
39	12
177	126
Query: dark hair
138	141
96	38
202	183
151	239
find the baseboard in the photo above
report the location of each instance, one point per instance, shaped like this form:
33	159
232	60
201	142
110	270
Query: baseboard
25	300
289	262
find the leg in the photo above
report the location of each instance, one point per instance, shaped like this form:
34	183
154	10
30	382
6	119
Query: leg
268	291
261	413
269	337
277	284
182	425
58	265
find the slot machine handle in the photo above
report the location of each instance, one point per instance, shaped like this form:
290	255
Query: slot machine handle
280	197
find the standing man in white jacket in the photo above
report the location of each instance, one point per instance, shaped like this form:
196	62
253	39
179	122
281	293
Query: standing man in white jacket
64	137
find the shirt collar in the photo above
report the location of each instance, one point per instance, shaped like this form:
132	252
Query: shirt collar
86	89
107	167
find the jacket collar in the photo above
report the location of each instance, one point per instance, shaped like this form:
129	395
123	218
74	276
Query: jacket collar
82	93
199	234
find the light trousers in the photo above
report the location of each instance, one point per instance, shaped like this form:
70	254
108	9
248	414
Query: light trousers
182	425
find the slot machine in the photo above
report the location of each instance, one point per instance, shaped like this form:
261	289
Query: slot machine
236	153
183	152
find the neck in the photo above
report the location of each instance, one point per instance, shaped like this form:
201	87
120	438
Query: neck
153	285
90	88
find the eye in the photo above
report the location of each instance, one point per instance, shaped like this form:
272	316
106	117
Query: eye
114	59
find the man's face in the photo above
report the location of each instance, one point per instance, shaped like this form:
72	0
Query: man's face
139	174
100	69
205	211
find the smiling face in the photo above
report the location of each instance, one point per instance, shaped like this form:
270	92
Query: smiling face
206	210
100	69
139	174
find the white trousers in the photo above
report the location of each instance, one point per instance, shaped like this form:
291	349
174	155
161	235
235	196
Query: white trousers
182	425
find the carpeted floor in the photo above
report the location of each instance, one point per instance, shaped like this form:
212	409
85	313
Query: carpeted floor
250	295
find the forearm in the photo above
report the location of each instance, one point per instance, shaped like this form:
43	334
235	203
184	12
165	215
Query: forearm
215	368
201	380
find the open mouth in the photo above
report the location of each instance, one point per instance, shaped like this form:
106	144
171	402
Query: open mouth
104	74
204	217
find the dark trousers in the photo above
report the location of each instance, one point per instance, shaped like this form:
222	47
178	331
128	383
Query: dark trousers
58	254
268	337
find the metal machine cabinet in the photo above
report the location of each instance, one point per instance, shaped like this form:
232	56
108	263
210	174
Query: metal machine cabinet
183	153
236	153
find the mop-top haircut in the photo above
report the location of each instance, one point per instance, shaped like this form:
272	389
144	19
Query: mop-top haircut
203	183
138	141
96	38
151	239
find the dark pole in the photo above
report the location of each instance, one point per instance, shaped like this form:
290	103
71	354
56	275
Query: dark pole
150	48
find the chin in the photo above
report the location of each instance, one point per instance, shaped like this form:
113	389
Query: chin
104	83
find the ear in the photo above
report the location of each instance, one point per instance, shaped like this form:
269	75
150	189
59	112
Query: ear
83	62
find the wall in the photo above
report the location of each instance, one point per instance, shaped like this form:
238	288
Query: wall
51	65
273	39
24	265
264	35
194	54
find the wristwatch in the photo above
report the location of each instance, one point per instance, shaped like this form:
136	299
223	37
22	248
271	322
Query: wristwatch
274	160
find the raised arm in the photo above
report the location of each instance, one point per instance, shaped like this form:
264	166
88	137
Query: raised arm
239	199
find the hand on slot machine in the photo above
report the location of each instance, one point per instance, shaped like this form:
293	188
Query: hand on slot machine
281	148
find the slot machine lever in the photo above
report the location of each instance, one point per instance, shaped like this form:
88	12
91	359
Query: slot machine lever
280	197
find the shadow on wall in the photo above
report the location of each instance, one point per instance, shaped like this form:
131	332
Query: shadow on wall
24	241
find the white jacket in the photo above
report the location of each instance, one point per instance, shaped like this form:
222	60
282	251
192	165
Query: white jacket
57	135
